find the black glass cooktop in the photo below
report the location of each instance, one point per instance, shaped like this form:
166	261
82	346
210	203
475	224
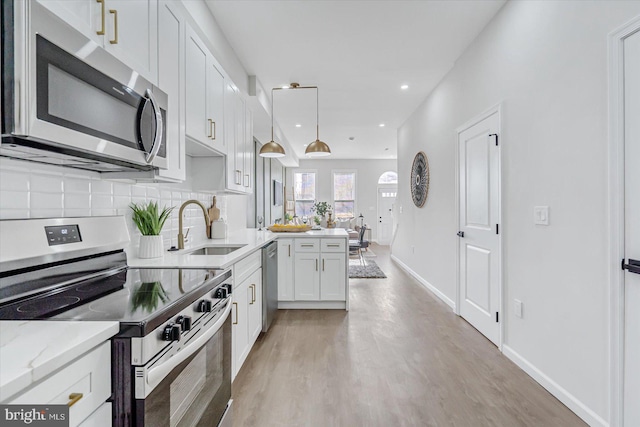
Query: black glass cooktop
140	299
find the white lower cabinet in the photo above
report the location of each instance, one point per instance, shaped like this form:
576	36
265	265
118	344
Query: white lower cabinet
85	385
247	308
332	276
311	269
255	306
102	417
306	276
285	270
240	328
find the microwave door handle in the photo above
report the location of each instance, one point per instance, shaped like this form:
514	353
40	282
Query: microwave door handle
157	374
157	140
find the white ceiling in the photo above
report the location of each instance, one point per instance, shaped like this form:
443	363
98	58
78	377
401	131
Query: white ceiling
358	53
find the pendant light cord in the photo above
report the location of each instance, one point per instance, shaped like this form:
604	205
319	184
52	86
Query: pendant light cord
317	114
272	114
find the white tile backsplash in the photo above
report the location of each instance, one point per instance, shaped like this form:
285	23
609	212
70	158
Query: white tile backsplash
46	183
101	187
45	200
77	201
77	185
29	190
14	199
14	181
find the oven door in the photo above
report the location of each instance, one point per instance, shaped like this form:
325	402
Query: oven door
193	387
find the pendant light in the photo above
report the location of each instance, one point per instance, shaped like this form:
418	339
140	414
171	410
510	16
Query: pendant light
317	148
272	149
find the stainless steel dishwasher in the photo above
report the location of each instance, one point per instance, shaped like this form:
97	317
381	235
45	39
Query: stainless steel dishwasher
269	284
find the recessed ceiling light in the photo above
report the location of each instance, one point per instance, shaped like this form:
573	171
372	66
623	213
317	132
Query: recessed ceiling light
298	125
351	138
404	87
381	125
386	149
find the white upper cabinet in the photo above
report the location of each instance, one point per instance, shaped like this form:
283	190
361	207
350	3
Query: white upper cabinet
131	34
127	29
171	70
248	151
205	98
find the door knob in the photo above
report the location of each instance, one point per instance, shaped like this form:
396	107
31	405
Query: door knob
460	233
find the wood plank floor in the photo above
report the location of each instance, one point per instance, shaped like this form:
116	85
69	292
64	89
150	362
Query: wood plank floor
399	357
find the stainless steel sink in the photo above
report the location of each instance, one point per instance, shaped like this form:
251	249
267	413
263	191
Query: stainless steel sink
215	250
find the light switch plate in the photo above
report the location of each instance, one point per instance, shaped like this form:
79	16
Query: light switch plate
541	215
517	308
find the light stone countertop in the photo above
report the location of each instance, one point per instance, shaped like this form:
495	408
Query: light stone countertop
251	238
31	350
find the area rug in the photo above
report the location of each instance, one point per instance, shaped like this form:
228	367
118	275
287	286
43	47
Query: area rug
368	271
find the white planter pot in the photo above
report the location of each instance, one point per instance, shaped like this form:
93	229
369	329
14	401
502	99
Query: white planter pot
150	247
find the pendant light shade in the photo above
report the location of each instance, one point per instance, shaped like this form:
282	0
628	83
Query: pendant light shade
317	149
271	149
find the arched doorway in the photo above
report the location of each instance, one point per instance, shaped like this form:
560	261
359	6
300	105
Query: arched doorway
387	192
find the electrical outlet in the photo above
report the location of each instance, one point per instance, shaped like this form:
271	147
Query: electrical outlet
517	308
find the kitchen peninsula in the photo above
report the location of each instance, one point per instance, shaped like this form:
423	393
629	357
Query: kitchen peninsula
312	266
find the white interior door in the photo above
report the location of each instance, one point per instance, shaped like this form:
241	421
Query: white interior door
479	242
386	199
632	230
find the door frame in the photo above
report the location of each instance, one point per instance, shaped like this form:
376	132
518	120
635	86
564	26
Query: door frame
382	186
496	109
616	216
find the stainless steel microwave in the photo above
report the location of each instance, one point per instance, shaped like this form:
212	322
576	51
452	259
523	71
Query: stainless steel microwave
69	102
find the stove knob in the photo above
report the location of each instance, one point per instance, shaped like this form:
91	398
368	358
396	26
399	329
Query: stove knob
184	322
171	332
221	293
229	287
204	306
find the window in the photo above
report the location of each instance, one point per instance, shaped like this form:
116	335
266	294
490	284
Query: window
388	177
344	194
304	192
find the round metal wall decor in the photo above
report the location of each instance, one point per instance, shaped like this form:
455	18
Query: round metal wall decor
420	179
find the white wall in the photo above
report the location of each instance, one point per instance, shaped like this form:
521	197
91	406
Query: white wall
546	63
367	174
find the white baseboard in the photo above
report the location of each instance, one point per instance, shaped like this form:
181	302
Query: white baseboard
569	400
424	283
308	305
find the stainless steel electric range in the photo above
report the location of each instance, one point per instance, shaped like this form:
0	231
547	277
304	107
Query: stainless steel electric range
171	360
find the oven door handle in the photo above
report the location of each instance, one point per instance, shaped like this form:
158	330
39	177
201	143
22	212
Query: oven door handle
157	374
157	140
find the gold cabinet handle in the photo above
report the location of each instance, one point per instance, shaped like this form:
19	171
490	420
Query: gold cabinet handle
209	120
101	32
214	129
253	294
289	251
115	26
74	398
236	304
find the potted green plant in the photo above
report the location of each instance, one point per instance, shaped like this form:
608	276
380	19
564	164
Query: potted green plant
321	208
150	220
